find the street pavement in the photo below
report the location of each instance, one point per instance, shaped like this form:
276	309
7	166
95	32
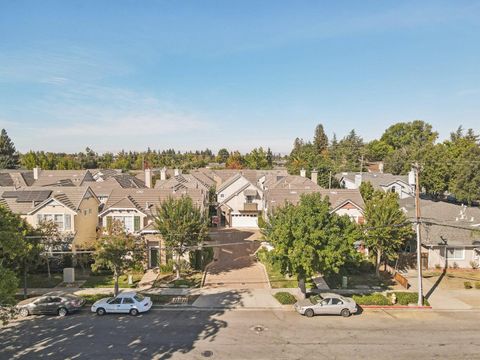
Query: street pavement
245	334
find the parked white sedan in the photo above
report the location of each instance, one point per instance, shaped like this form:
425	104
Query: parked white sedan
125	303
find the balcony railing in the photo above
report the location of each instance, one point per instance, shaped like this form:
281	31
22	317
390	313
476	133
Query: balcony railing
250	207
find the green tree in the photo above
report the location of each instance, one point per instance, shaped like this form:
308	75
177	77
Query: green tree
8	154
256	159
222	155
320	139
386	227
8	288
465	184
52	239
182	225
235	161
118	251
377	150
436	170
309	239
19	244
366	190
348	152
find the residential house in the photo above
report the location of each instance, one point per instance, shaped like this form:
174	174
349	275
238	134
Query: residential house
239	202
342	201
61	177
136	209
403	185
73	209
450	233
16	178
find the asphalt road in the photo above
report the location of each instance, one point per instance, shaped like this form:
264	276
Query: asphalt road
245	334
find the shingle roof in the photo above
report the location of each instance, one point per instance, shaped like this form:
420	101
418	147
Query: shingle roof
376	179
6	179
179	182
289	182
278	197
17	200
444	221
20	178
63	177
146	200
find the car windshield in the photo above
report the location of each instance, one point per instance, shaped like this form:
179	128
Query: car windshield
315	299
139	297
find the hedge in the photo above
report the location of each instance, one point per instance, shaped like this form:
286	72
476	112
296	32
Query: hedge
405	298
285	298
372	299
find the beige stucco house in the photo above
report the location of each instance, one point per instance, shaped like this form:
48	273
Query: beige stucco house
136	209
74	209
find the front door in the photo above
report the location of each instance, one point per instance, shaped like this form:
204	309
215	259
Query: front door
154	257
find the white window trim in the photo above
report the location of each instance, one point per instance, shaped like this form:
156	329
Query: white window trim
455	258
63	228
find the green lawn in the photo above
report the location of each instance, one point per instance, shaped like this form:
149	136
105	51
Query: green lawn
42	280
277	280
96	281
188	279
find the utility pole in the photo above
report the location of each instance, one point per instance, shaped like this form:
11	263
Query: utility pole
419	240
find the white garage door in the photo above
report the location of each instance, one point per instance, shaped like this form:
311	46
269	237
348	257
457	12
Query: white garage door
244	221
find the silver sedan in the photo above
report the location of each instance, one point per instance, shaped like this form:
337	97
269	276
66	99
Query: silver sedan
327	304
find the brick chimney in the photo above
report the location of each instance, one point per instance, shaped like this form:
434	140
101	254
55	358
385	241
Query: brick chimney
314	176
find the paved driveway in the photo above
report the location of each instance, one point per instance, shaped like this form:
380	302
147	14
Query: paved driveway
234	267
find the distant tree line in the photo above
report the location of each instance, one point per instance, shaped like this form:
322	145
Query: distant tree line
448	168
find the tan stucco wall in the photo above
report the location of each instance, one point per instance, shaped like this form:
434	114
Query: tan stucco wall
436	257
86	223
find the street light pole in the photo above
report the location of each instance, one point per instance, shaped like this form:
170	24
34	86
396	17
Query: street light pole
419	240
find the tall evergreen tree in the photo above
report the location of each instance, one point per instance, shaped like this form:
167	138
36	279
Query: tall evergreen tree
320	139
8	153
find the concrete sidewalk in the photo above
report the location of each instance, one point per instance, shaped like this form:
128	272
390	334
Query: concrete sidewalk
438	298
208	297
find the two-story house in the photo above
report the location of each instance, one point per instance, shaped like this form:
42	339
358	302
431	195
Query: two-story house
403	185
74	209
136	210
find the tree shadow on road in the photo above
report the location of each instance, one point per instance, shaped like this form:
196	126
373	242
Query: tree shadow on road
153	335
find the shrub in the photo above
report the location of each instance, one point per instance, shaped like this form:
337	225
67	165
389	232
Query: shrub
371	299
438	266
285	298
405	298
474	264
477	285
467	285
201	258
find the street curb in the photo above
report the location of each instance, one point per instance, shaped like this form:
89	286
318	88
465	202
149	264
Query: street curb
393	307
230	308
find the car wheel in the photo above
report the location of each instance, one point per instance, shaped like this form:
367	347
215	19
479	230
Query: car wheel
24	312
62	312
309	313
101	311
345	313
134	312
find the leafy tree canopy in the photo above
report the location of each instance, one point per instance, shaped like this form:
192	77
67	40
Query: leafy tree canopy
309	239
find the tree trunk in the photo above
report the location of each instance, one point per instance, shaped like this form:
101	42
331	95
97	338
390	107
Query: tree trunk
115	288
301	285
379	262
177	266
48	267
25	280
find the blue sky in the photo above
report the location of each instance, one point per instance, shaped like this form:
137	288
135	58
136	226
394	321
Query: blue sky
116	75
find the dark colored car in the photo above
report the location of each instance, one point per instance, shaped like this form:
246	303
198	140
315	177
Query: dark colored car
56	303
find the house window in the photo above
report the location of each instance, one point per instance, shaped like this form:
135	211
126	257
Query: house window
249	199
455	253
127	222
62	221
